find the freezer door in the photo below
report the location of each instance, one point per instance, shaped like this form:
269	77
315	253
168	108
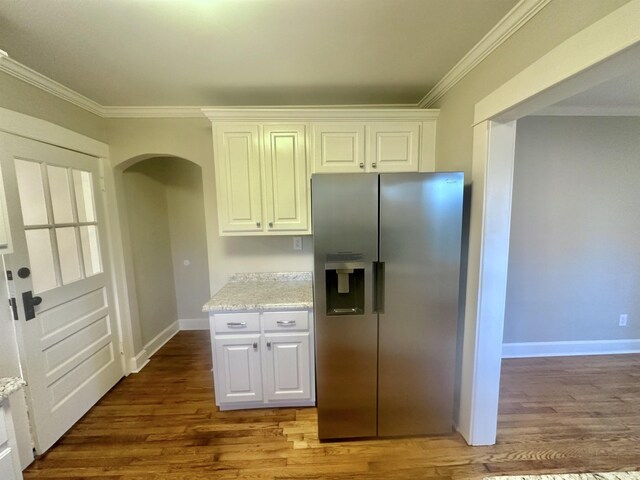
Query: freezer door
420	228
345	230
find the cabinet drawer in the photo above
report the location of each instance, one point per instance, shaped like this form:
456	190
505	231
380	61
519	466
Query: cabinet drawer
236	322
3	429
285	321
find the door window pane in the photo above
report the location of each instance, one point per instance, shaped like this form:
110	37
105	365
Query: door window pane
31	191
68	252
60	194
41	259
90	250
83	184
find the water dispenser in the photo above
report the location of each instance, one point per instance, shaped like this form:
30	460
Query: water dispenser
344	287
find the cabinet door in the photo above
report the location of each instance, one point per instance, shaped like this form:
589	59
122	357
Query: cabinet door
237	366
237	162
287	374
394	146
286	178
338	147
7	469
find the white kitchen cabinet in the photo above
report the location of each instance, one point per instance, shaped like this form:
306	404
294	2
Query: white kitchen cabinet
261	179
287	374
9	461
238	368
338	147
394	146
238	178
272	368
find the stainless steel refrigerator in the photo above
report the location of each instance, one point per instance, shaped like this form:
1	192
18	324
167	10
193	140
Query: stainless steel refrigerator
386	273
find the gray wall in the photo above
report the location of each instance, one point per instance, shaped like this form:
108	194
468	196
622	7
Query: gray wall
574	261
148	218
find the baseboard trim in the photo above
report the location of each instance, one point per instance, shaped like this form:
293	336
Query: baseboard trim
138	362
194	323
564	349
163	337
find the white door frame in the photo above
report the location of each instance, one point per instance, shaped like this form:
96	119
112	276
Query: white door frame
606	49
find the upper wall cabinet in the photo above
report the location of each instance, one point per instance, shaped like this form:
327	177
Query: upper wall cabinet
264	158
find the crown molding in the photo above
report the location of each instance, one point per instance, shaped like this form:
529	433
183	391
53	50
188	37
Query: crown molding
28	75
151	112
517	17
319	113
589	111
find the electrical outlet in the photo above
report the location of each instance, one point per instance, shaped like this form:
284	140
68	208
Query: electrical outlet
297	243
623	319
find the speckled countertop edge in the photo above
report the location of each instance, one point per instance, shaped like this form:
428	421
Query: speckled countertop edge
246	292
574	476
9	385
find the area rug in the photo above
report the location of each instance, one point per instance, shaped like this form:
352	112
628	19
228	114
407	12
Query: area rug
574	476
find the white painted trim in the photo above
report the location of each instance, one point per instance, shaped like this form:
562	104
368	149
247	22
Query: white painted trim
492	167
513	21
138	362
151	112
30	76
602	40
47	132
194	323
311	114
589	111
570	348
163	337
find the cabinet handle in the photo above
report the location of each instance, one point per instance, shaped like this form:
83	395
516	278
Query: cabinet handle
255	345
361	164
258	224
286	323
270	224
268	344
236	324
374	165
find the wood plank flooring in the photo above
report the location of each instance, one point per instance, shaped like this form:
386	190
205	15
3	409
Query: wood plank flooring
574	414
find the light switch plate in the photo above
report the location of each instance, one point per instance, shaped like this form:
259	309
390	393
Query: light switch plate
297	243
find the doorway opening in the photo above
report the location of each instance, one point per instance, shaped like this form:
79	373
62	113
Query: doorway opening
165	218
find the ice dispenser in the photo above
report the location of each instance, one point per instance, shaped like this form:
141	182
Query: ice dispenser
344	287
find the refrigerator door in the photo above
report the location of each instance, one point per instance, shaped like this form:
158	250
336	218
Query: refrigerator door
420	229
345	231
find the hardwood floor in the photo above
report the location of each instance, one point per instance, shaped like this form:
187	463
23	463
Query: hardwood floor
574	414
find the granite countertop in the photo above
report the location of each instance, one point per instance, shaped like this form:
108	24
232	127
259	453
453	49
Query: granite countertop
259	292
8	385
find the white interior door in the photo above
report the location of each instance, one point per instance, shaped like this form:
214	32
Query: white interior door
68	342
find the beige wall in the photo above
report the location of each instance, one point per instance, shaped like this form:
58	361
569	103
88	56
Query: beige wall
24	98
190	138
574	260
556	22
148	219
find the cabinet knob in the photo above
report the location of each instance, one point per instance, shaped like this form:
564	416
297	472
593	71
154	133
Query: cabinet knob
268	344
361	164
270	224
255	345
374	165
258	224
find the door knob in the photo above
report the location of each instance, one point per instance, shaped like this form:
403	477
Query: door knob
268	344
258	224
374	165
29	302
270	224
361	164
24	272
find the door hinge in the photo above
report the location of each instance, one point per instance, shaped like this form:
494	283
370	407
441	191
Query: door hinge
12	295
102	184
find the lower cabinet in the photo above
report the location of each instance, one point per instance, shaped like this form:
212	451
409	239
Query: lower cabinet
263	360
9	462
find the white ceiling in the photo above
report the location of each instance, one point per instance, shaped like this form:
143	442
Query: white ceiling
246	52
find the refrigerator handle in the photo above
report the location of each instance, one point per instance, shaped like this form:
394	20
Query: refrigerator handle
378	287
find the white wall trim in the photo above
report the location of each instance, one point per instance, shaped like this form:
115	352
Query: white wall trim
30	76
42	131
194	323
334	114
580	56
138	362
163	337
590	111
513	21
570	348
